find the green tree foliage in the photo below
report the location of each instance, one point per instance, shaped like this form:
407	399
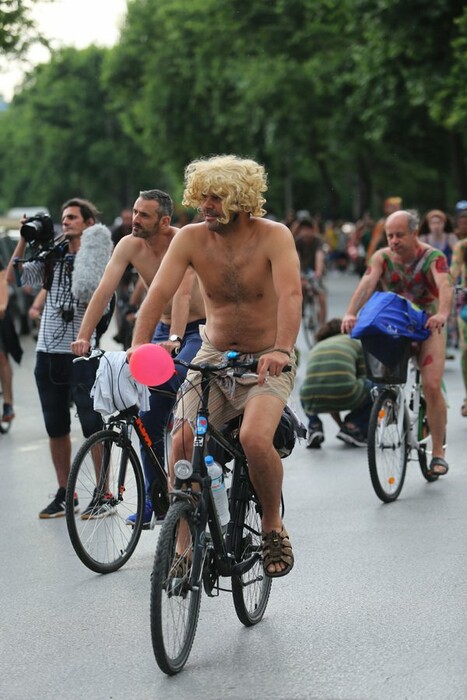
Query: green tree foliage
18	30
60	138
345	101
338	97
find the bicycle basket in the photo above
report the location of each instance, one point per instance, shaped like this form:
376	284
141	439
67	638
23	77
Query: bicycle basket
386	358
289	428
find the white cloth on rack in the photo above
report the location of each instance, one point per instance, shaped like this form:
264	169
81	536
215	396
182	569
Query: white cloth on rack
114	388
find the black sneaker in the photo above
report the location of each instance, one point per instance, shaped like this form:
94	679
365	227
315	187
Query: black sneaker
99	507
352	436
314	438
56	509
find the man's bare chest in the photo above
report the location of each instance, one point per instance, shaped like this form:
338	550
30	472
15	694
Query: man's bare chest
237	278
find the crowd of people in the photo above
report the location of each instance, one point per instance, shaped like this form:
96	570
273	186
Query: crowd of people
422	262
232	278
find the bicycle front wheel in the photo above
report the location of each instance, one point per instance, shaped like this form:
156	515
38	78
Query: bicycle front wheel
107	479
309	320
387	446
175	601
250	590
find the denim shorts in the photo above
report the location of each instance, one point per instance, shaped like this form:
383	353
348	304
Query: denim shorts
60	382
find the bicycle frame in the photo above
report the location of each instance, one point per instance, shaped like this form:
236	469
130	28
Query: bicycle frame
121	422
410	403
223	545
123	419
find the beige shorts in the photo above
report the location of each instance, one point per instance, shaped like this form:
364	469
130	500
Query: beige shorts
228	395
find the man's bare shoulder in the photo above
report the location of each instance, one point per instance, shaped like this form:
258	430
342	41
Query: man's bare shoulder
274	233
128	247
273	226
192	232
193	226
378	258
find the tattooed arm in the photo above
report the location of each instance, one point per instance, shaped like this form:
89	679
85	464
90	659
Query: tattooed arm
363	292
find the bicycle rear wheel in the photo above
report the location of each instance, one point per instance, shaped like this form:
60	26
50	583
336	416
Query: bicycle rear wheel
387	446
251	589
175	602
100	535
309	320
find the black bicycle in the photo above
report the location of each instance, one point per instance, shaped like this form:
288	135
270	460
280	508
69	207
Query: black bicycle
193	551
107	478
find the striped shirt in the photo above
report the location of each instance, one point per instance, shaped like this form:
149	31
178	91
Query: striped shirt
62	314
335	376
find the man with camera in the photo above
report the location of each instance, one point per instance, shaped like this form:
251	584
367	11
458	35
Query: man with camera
54	265
177	329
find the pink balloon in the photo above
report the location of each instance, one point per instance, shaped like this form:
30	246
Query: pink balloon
151	365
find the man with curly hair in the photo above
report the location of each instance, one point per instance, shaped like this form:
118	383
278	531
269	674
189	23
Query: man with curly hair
250	279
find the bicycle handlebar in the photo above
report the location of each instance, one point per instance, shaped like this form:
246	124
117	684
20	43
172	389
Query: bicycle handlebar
231	362
95	352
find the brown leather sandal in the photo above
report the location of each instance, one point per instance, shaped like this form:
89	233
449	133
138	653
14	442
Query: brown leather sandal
277	549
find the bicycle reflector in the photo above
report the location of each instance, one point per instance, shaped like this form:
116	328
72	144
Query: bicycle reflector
151	365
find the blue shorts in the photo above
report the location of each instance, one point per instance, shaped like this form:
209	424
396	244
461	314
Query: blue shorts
59	382
162	399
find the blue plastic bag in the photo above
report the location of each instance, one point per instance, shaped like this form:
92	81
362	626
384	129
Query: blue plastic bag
387	324
392	315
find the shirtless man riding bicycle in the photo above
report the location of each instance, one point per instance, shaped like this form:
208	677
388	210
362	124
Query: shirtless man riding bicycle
176	327
250	279
420	273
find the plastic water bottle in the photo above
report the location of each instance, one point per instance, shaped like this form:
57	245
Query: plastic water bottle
218	489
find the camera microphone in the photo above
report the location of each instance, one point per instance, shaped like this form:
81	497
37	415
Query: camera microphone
90	261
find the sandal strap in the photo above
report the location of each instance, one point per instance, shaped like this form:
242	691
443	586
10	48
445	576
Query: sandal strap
277	548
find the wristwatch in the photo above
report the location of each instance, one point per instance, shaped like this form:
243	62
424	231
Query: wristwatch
175	339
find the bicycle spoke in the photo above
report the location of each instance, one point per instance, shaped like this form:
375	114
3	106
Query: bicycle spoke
175	601
387	446
251	590
108	491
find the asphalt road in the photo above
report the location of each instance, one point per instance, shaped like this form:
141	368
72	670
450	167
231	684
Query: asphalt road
375	607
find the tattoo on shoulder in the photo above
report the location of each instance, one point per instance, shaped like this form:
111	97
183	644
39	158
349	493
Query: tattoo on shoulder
441	264
368	270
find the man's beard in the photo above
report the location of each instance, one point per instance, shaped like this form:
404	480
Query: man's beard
140	233
219	226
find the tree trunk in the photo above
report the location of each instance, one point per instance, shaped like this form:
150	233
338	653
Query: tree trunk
460	170
364	190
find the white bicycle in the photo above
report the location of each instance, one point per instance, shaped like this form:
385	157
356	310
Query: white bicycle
398	430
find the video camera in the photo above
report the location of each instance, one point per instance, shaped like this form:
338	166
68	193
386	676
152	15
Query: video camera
38	231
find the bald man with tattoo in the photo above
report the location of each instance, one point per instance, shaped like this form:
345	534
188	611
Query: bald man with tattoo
420	273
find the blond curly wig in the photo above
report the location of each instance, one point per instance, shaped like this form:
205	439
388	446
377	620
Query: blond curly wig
237	181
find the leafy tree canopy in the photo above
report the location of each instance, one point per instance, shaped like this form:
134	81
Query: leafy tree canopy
18	30
345	102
